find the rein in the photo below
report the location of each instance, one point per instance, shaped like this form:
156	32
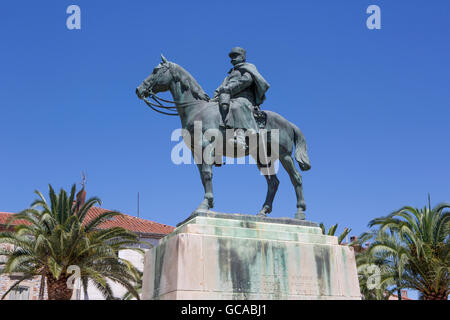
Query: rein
158	104
151	105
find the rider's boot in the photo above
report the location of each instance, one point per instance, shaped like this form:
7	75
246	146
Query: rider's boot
224	107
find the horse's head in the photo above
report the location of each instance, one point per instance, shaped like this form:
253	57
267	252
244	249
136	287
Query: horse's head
158	81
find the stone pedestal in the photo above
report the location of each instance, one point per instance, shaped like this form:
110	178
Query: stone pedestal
233	256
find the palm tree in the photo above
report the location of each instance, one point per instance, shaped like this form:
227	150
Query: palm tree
57	235
417	240
138	287
332	231
388	256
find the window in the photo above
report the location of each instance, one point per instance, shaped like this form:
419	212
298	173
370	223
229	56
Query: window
19	293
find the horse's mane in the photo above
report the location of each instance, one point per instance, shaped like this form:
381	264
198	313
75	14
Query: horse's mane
189	83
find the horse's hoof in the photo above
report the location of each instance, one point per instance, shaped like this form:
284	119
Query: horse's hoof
264	211
203	207
261	214
202	210
300	215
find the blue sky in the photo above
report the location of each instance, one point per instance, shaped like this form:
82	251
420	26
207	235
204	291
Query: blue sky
374	105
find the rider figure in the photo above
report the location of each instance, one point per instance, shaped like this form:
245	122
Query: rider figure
240	92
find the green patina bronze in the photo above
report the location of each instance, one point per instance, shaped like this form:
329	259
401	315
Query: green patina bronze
236	105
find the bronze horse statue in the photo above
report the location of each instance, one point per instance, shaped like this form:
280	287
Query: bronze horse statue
194	106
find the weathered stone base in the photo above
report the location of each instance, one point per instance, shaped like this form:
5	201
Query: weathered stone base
217	256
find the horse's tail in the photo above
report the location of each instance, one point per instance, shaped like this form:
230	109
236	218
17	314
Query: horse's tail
301	154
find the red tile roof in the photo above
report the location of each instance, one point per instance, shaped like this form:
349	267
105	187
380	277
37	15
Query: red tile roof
130	223
4	216
126	221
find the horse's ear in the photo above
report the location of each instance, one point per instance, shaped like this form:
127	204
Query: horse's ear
164	60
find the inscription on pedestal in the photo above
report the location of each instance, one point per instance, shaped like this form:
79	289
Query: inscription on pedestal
271	284
303	285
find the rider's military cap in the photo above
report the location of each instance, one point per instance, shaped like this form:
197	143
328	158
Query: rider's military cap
237	50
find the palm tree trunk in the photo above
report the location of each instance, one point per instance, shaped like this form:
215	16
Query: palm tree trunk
42	288
399	289
57	288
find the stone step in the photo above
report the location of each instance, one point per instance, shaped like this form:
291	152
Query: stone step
267	226
256	233
249	218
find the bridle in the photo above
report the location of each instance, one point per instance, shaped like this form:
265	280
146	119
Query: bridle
158	100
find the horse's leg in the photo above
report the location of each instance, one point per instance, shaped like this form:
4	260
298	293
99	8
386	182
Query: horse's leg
206	176
272	187
288	163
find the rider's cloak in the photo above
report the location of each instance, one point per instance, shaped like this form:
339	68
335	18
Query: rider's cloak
261	85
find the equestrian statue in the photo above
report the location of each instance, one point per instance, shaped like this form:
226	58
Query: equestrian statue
234	107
